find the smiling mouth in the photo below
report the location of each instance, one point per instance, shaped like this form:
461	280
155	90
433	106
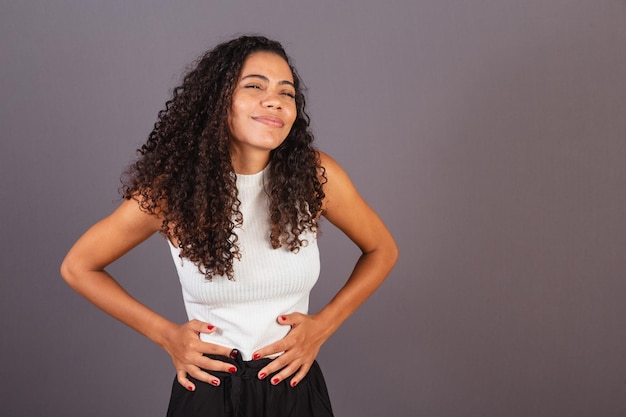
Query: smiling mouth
269	121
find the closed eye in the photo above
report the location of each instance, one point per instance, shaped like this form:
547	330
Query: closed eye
257	86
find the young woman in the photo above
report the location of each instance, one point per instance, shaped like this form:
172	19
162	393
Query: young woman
230	177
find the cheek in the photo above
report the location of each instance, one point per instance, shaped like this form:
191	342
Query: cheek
237	106
235	115
292	112
293	117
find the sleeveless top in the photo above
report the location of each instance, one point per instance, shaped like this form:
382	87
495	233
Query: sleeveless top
267	282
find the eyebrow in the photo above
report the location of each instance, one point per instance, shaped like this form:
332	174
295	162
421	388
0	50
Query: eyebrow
264	78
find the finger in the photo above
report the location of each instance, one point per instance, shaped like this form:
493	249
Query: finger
273	349
289	319
203	376
181	376
201	346
216	365
285	373
201	326
304	369
212	348
274	366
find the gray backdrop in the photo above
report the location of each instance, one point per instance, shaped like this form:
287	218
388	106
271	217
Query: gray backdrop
489	135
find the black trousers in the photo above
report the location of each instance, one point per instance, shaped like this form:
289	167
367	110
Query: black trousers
242	394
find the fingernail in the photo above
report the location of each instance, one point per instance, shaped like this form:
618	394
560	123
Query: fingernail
275	381
190	388
215	382
283	318
262	375
210	327
232	369
256	356
293	383
233	353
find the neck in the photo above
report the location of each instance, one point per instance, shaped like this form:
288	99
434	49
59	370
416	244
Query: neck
248	163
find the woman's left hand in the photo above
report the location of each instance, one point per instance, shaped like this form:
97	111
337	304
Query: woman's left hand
300	348
346	209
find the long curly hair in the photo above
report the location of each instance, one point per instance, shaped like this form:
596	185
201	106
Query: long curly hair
184	172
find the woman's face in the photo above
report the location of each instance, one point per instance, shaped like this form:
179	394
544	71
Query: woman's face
263	104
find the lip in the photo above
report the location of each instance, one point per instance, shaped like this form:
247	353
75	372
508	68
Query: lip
272	121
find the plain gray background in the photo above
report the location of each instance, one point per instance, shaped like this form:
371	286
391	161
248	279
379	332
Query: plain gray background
489	135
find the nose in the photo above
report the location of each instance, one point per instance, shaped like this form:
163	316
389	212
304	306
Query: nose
271	101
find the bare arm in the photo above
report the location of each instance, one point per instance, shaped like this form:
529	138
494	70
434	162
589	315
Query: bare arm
346	209
84	270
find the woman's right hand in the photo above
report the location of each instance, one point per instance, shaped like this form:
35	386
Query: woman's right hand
84	270
183	344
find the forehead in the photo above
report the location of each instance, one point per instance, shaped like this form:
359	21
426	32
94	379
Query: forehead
267	64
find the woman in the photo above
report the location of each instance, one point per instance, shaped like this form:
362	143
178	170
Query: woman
230	177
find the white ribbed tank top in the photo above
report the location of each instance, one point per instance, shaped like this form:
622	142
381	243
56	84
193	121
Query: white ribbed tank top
268	282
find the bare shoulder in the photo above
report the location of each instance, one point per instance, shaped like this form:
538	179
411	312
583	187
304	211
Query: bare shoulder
345	208
337	183
329	164
129	214
340	192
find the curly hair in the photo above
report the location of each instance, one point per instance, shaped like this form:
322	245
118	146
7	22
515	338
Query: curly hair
184	172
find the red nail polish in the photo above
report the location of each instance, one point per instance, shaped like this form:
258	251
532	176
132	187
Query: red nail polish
256	356
210	327
233	353
275	381
283	318
215	382
232	369
293	383
190	388
262	375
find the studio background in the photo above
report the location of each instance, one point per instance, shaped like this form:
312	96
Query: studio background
489	135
